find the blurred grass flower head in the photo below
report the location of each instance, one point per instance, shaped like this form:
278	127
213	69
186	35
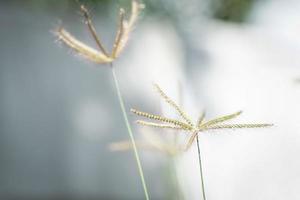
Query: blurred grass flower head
102	56
125	27
153	142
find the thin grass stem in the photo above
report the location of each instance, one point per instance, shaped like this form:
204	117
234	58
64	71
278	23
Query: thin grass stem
136	154
200	166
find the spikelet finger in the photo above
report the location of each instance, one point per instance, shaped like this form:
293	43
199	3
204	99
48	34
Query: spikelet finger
81	48
128	26
235	126
156	125
88	21
119	33
162	119
173	104
221	119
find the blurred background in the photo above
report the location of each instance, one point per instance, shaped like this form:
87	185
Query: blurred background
59	112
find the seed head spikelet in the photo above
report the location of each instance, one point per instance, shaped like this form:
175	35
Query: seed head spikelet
81	48
200	126
161	119
173	104
120	33
102	56
236	126
89	22
125	27
221	119
152	124
187	125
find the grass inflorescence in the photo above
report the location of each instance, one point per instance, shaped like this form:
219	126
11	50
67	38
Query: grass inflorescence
184	124
101	56
194	129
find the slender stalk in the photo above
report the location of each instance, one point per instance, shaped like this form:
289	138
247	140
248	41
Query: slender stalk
200	166
136	154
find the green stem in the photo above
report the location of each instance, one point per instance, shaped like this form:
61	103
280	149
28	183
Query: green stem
200	166
137	158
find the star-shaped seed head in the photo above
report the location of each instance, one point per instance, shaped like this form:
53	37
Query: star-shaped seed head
186	123
151	141
125	27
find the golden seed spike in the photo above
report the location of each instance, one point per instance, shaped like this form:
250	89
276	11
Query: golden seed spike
156	125
224	126
119	33
102	56
128	25
92	29
234	126
221	119
162	119
173	104
81	48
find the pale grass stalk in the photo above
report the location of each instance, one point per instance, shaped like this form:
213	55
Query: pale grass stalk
200	168
193	128
129	130
102	56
